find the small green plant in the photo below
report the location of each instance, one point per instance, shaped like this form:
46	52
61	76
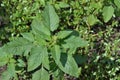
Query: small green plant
31	29
43	52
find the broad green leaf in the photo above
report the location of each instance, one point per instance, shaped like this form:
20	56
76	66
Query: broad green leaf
3	58
9	73
64	34
21	63
18	46
38	27
65	62
29	36
56	53
39	40
70	66
45	61
117	3
108	12
74	42
41	74
91	20
63	5
97	5
50	17
72	50
35	58
38	55
58	74
42	2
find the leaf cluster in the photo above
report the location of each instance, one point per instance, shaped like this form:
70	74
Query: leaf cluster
60	39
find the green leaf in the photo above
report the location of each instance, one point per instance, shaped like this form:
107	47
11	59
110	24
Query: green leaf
72	50
38	55
42	2
41	74
70	66
64	34
9	73
97	5
45	61
117	3
18	46
56	53
63	5
39	40
21	63
50	17
108	12
91	20
65	62
29	36
38	27
3	58
58	74
74	42
35	58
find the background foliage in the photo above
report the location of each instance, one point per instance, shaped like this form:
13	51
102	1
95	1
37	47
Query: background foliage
97	22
